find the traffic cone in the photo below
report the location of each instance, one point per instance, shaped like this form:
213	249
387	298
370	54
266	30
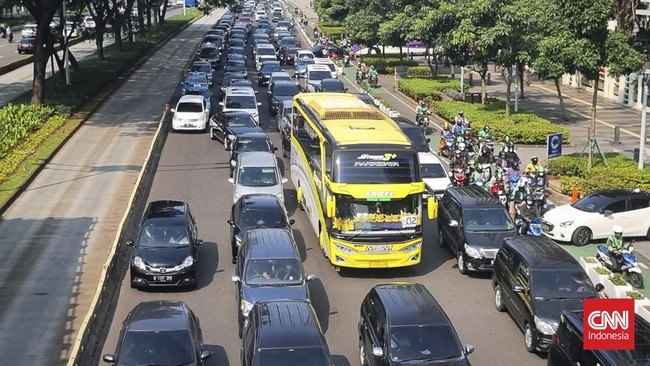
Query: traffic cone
574	194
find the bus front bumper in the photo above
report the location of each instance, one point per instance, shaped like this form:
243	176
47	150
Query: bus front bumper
375	255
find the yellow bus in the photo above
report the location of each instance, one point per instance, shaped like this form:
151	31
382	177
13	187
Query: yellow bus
357	178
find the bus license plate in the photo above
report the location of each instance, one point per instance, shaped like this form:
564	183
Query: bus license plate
376	248
162	278
378	264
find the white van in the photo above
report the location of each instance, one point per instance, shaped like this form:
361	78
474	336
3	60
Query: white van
264	52
257	172
315	74
191	113
329	63
241	99
28	31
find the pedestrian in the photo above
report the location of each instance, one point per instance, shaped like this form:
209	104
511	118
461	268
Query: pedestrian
10	35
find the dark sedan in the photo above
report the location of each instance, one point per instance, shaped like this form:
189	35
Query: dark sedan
225	126
265	71
160	332
166	251
320	50
237	66
279	91
234	42
331	86
26	45
210	54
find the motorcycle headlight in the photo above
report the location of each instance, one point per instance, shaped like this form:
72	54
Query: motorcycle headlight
344	249
472	252
566	223
410	248
139	263
245	307
544	326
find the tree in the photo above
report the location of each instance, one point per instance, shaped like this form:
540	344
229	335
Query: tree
397	31
625	13
332	11
98	10
431	25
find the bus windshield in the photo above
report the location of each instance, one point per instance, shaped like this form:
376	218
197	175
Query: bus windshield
369	167
377	216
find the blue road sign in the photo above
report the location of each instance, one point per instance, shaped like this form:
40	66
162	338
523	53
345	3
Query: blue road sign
553	145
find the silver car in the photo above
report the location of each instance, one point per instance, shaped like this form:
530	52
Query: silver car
257	172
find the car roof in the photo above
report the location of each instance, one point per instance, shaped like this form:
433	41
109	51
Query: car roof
323	60
615	194
257	159
253	135
284	82
474	197
191	99
159	315
317	67
270	62
331	81
542	253
280	73
235	112
408	303
287	323
271	244
201	62
265	45
240	90
165	208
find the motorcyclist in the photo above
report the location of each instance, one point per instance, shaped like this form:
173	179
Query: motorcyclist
10	35
421	111
517	196
533	165
372	72
540	180
445	135
527	211
460	117
459	128
485	133
615	244
513	170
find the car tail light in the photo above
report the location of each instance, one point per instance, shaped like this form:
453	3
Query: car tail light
555	340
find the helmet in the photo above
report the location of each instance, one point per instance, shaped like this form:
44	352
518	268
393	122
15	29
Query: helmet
457	152
534	160
460	112
529	200
461	146
446	127
502	154
422	103
522	183
514	163
540	170
494	189
493	180
617	229
486	128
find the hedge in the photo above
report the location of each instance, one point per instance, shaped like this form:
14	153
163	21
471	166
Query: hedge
17	121
621	174
414	71
332	32
522	127
429	89
383	62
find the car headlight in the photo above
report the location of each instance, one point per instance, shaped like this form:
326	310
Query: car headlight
245	307
232	163
187	262
544	326
231	138
566	223
472	252
410	248
238	240
139	263
344	249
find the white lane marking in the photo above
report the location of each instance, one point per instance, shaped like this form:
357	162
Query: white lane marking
643	265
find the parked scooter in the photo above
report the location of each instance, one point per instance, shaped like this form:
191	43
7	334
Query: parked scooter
627	264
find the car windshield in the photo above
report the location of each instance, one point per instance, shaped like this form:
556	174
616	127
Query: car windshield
375	167
258	177
252	144
202	68
304	60
240	120
263	218
592	203
209	52
269	68
189	107
561	284
319	75
265	51
428	342
158	234
288	90
240	101
487	219
169	347
272	272
333	87
204	93
292	356
240	82
432	171
238	50
235	67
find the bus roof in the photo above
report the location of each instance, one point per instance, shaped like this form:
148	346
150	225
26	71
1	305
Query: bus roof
349	120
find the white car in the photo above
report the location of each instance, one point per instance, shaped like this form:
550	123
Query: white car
264	52
315	74
330	64
191	113
433	174
593	217
260	13
89	23
305	53
257	172
29	31
241	99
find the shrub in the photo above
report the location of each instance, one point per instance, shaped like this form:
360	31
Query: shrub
382	62
622	173
618	279
602	271
636	295
522	127
330	31
414	71
429	89
17	121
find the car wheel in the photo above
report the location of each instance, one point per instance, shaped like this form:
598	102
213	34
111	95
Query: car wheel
529	339
498	299
362	354
581	236
462	268
212	136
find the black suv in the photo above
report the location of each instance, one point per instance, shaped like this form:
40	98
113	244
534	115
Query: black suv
567	347
166	251
472	223
534	280
283	332
255	211
403	323
268	268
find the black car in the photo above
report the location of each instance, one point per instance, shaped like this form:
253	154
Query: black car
235	56
166	250
413	133
160	332
26	45
251	141
567	347
279	91
534	279
319	50
289	42
472	224
238	51
225	126
238	35
210	54
277	16
235	42
284	332
236	66
266	68
216	32
403	324
331	86
268	268
284	24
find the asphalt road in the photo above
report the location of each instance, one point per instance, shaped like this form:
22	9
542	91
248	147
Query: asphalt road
56	236
195	169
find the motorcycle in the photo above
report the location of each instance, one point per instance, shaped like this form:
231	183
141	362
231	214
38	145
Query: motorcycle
448	148
539	197
346	60
423	122
503	197
628	264
535	227
459	176
373	81
359	76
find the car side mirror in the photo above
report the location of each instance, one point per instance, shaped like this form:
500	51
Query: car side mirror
275	148
231	180
469	348
285	180
607	213
600	287
518	288
231	223
268	92
291	222
173	110
377	351
129	242
221	104
453	223
205	355
310	277
199	241
108	358
259	104
235	279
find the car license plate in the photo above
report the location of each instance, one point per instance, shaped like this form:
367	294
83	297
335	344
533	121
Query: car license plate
376	248
188	125
162	278
381	264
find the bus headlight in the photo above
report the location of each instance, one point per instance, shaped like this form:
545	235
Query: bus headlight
410	248
344	249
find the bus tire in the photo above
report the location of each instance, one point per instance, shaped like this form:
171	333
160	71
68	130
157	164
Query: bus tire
322	243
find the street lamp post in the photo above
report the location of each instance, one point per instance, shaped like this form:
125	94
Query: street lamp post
646	80
462	80
65	47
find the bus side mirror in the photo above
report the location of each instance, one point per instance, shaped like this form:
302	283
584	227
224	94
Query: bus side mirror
432	208
331	206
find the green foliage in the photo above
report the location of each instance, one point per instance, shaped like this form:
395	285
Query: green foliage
414	71
383	62
332	32
17	121
590	259
636	295
602	270
397	31
621	58
332	11
522	127
618	279
621	174
429	89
